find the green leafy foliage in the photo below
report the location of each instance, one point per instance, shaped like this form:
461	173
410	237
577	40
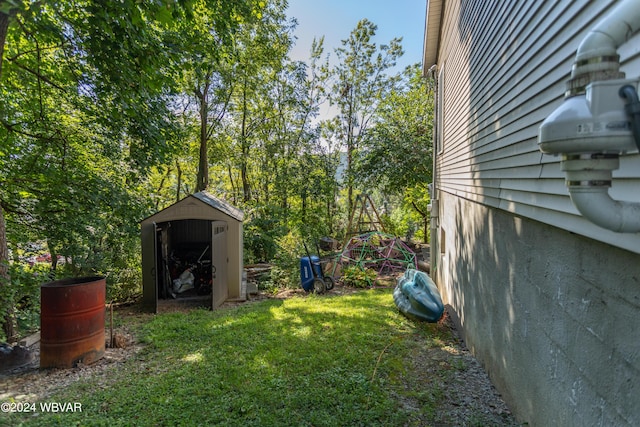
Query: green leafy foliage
398	151
87	110
110	112
358	277
286	270
24	292
397	156
360	83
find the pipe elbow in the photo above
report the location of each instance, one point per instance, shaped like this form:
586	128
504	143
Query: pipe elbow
595	45
612	31
595	204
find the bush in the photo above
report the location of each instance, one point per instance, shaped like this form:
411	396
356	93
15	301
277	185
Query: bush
23	294
358	277
285	273
124	284
261	232
276	279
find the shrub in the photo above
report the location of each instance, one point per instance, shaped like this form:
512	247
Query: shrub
358	277
285	273
124	284
23	294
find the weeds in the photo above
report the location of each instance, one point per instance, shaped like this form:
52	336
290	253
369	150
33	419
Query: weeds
358	277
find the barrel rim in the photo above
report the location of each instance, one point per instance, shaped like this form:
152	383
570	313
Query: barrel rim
73	281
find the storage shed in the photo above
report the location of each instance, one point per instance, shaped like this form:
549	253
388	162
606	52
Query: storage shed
191	249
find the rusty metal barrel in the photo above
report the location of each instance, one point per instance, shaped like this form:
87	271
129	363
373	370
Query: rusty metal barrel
72	321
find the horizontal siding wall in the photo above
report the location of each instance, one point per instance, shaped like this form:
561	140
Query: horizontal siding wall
505	67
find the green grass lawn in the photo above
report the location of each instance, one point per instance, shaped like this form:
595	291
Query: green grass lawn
313	361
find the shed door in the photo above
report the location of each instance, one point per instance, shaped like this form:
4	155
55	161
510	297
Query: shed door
219	261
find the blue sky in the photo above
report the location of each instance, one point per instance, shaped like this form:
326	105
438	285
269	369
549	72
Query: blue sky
335	19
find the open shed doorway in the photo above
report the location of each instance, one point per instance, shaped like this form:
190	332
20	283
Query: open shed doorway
192	261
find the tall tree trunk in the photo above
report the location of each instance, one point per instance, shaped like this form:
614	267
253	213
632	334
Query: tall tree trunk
179	181
4	26
161	186
350	149
425	221
203	163
246	189
6	305
349	180
234	191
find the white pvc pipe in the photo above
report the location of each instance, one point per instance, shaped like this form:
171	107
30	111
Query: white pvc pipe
611	32
594	201
595	204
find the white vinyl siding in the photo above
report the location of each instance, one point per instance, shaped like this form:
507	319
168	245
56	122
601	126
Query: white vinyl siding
506	67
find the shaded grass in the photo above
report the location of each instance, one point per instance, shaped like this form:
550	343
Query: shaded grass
314	361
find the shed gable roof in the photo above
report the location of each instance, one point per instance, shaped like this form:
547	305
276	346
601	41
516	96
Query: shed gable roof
220	205
201	197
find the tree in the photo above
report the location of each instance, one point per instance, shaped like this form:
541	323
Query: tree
292	139
43	79
397	157
205	45
360	83
262	51
7	13
85	111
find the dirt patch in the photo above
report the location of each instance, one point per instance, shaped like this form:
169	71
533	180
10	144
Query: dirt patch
29	383
457	382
